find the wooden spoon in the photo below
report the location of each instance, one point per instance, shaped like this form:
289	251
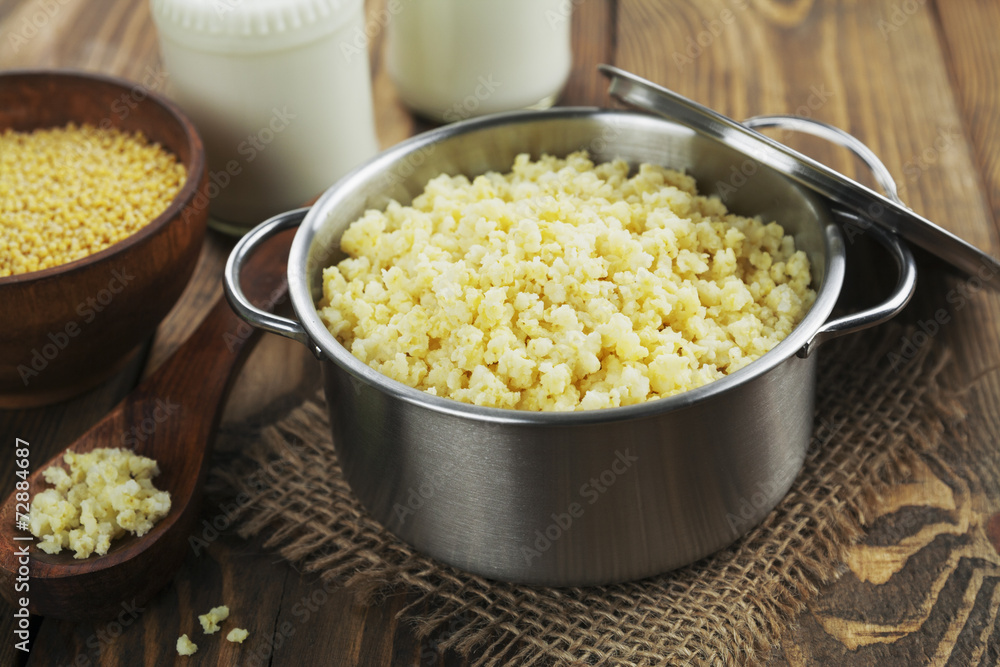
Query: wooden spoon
172	417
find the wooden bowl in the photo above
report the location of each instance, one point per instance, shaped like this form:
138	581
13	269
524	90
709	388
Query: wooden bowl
69	327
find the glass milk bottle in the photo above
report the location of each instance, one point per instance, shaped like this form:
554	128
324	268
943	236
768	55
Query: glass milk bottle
283	108
453	59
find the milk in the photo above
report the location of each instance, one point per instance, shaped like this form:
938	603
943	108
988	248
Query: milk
452	59
283	108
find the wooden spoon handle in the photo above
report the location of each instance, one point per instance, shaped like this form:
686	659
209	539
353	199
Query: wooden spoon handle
171	416
199	373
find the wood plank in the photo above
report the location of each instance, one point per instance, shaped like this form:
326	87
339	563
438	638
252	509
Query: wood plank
48	430
894	98
969	29
921	587
122	42
196	300
330	627
892	92
147	635
892	89
899	90
593	44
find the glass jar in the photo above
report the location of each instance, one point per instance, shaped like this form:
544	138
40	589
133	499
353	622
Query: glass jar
283	108
453	59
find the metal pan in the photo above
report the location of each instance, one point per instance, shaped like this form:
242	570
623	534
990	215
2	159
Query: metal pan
588	497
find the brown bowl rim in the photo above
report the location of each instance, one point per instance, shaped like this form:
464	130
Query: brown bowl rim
195	165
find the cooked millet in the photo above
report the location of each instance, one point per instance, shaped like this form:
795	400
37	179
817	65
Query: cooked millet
69	192
237	635
185	646
563	286
210	621
106	493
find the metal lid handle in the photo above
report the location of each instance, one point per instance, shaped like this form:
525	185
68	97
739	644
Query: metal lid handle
905	263
835	135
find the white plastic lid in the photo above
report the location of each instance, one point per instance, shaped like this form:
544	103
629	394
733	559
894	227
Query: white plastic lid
249	26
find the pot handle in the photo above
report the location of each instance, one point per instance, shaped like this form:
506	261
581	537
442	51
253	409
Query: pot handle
234	267
905	263
884	311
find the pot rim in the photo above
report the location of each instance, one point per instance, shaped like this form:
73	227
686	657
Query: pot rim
331	349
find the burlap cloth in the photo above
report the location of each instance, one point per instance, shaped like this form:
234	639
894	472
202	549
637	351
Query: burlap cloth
872	418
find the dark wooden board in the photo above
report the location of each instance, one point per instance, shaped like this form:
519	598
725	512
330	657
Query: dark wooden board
932	79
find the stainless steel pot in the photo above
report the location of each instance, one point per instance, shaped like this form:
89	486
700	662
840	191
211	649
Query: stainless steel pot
577	498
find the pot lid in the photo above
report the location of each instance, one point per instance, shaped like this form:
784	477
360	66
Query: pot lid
890	215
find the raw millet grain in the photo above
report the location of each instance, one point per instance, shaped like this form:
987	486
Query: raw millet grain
563	285
69	192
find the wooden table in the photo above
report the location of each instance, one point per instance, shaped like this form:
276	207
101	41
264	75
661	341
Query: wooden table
917	80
